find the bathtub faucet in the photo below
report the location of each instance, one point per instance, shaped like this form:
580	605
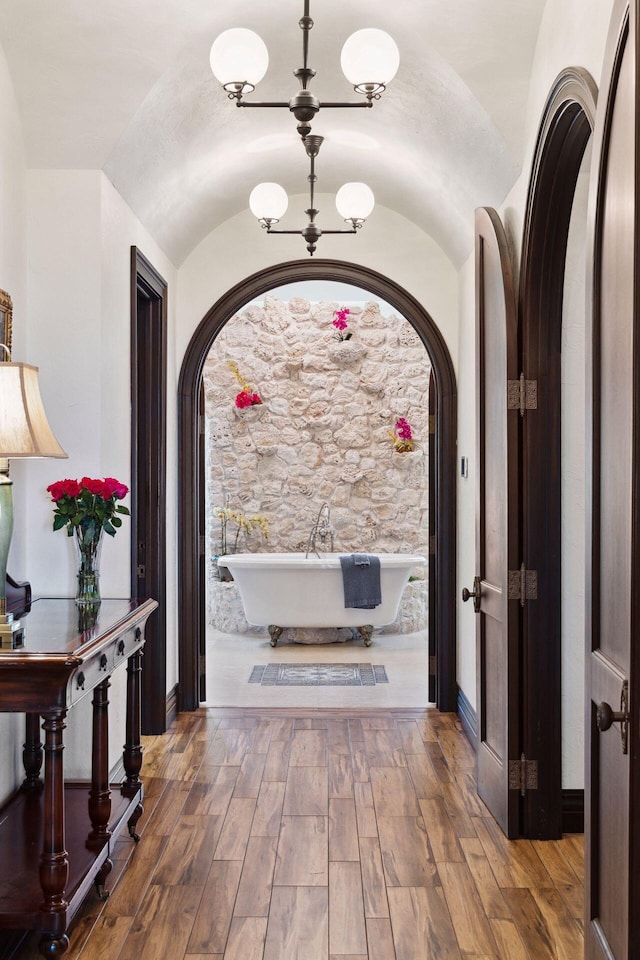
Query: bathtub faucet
321	530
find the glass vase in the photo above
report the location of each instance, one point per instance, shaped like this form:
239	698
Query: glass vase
88	548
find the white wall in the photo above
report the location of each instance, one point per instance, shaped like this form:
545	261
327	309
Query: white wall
64	342
572	33
240	248
80	234
13	280
573	533
121	230
466	531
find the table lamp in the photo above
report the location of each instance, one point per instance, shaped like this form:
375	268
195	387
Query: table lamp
24	432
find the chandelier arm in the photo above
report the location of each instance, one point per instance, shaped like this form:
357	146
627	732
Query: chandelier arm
286	103
257	103
300	233
359	103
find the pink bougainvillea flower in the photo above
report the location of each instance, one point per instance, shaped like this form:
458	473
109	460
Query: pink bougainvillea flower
403	429
340	318
340	323
246	399
243	399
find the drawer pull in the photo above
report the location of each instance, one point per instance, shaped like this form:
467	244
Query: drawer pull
80	681
103	661
138	633
120	647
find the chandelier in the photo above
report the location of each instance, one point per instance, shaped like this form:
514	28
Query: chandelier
369	60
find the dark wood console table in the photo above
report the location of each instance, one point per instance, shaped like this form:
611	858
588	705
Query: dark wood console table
56	837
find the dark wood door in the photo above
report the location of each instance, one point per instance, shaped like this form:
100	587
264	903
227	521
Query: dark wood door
148	476
497	547
612	877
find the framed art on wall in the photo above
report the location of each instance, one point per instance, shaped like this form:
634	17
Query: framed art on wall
6	322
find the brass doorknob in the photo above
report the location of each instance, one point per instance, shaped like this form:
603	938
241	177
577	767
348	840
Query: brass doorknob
475	593
606	716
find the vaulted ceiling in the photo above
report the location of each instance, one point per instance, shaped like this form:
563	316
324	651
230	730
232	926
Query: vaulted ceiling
125	86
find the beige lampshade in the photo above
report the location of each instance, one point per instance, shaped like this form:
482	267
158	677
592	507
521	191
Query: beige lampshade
24	429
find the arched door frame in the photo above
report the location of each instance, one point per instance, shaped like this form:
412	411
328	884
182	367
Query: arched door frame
190	587
566	126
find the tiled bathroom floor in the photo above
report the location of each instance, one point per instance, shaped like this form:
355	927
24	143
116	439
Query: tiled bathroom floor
231	657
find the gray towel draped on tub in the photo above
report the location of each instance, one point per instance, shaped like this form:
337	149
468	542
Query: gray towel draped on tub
361	581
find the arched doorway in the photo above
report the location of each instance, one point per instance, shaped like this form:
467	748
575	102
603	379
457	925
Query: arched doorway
191	559
565	129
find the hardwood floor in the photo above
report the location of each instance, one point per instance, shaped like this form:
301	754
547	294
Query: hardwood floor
326	835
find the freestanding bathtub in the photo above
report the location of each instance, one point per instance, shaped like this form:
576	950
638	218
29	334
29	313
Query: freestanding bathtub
292	590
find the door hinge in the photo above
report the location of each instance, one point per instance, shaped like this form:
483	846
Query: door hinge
432	424
432	545
523	585
141	571
432	666
522	394
202	544
523	775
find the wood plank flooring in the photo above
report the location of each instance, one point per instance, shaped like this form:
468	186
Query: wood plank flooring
326	835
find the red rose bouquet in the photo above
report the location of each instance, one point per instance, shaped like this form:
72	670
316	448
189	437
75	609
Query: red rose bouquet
86	508
88	505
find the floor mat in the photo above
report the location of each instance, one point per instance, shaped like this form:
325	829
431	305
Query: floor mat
319	675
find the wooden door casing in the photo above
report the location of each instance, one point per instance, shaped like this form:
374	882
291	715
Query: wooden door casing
612	848
497	512
148	475
564	131
432	593
190	468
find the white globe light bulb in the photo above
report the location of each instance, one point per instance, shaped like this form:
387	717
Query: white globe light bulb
239	56
355	201
268	201
370	56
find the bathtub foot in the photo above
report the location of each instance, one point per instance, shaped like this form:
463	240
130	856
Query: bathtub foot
365	632
274	633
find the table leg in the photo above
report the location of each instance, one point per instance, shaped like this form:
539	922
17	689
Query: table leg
54	861
53	946
100	794
32	754
132	754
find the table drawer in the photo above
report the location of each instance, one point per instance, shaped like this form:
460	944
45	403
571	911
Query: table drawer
103	663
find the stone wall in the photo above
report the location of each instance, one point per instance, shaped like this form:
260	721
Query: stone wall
322	431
